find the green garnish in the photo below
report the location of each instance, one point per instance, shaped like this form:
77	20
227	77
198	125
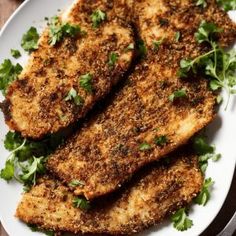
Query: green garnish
15	53
59	30
27	158
86	82
81	203
227	5
205	152
142	49
30	40
75	183
72	95
157	43
217	65
204	196
8	73
161	140
98	17
177	36
181	221
202	3
130	47
178	94
144	146
113	57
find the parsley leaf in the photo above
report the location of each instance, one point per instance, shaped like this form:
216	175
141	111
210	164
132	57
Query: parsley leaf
178	94
59	30
8	172
30	40
227	5
98	17
204	196
8	73
75	183
15	53
177	36
81	203
181	221
144	146
72	95
113	57
157	43
202	3
161	140
86	82
130	47
142	49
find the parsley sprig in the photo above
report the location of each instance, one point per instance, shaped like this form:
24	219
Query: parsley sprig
227	5
30	40
27	158
75	97
8	73
86	82
98	17
217	65
82	203
181	220
59	30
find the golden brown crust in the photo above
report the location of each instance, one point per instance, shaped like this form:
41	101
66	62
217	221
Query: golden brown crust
105	152
37	99
153	193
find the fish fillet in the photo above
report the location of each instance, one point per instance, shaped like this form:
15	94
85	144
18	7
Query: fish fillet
154	193
105	152
35	103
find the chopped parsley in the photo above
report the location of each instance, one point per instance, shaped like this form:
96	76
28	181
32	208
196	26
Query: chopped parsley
86	82
142	49
177	36
227	5
204	196
205	152
30	40
8	73
130	47
75	183
157	43
113	57
15	53
98	17
73	95
160	140
59	30
27	158
144	146
178	94
82	203
217	65
181	220
201	3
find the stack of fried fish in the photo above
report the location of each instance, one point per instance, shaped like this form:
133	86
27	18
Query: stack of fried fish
115	154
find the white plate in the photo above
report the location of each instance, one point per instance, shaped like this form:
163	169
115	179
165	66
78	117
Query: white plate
222	133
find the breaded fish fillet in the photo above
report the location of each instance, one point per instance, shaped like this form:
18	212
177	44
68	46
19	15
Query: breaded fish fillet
141	124
153	193
36	103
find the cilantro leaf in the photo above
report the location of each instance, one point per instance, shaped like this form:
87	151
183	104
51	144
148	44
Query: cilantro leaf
86	82
81	203
227	5
75	183
181	221
8	172
58	30
98	17
113	57
161	140
204	196
15	53
144	146
178	94
30	40
72	95
8	73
